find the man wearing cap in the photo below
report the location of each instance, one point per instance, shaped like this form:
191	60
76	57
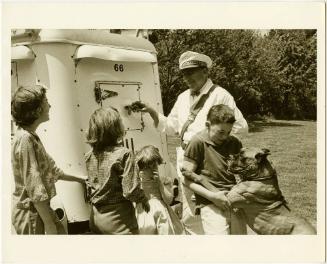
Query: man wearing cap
188	117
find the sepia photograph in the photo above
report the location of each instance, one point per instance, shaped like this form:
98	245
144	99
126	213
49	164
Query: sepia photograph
185	133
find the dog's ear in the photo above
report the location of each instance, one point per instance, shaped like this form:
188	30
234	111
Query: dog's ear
262	155
266	151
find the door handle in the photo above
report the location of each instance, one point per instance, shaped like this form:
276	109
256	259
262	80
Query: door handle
103	94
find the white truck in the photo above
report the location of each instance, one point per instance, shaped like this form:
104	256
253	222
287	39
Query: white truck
85	70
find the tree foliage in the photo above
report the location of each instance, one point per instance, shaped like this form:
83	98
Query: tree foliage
272	74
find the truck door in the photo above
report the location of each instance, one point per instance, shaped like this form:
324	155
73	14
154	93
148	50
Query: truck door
117	81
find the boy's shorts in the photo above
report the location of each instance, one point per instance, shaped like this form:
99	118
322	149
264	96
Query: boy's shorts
217	222
214	221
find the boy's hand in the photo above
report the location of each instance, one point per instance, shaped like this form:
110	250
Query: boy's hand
220	200
146	206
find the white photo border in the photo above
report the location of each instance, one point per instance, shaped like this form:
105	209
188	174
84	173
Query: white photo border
153	15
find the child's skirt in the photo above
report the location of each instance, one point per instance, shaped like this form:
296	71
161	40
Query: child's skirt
160	220
115	219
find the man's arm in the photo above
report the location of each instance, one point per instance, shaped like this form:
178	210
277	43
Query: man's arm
153	113
169	124
240	127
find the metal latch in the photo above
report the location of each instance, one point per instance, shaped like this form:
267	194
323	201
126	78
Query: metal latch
103	94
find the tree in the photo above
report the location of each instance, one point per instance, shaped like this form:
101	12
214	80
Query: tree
275	73
296	64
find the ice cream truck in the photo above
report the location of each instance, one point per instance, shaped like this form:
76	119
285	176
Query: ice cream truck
85	70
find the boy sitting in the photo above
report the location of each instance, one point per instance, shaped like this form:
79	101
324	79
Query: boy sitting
209	150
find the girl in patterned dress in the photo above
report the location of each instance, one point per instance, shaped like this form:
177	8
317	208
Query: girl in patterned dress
113	184
161	219
35	172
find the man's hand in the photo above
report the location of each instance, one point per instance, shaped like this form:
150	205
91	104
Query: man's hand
136	106
220	200
139	106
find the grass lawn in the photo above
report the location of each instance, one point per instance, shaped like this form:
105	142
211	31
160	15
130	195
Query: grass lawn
293	153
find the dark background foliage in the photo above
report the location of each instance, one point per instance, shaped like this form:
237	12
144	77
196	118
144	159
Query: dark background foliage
272	74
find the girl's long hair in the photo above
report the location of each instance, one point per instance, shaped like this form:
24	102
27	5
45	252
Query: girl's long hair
105	128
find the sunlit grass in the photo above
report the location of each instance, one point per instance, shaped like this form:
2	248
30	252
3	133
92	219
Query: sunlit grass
293	153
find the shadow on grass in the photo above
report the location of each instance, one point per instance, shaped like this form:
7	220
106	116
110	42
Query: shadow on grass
259	126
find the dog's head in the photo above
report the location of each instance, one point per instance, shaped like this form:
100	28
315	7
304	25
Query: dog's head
251	164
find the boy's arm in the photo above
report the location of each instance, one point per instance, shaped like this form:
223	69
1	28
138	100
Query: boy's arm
218	198
200	179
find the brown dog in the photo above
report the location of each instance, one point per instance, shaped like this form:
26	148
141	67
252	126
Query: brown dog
259	195
257	192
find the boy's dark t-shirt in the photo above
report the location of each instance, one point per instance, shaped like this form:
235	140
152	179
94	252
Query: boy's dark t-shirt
213	158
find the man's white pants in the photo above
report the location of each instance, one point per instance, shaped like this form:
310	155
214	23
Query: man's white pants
192	223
